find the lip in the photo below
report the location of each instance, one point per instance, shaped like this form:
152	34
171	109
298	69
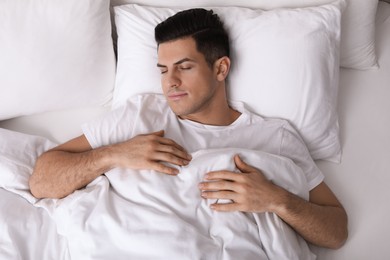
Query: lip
177	95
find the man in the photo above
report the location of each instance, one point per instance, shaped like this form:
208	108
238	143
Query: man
193	57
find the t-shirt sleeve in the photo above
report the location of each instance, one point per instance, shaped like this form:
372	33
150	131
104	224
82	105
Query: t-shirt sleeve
114	127
293	147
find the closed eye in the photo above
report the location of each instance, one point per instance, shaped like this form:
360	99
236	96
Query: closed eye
163	69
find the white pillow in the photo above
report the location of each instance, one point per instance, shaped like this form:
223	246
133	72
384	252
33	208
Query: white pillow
357	25
285	64
54	55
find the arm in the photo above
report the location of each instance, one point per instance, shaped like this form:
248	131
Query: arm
71	166
322	220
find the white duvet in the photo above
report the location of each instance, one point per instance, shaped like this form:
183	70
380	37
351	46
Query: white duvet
130	214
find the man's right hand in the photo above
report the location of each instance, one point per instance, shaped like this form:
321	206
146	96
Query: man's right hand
72	165
150	151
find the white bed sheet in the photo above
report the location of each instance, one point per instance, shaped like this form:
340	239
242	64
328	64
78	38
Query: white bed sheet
361	181
27	232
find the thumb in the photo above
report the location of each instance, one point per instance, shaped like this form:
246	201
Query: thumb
242	166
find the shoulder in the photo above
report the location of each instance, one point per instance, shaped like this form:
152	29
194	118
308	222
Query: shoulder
281	137
282	133
253	118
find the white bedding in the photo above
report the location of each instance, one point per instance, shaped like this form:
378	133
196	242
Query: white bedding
149	215
27	232
360	181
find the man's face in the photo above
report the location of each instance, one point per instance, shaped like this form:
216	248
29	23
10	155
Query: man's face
188	83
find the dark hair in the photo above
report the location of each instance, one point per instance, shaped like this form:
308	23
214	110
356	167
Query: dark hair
203	26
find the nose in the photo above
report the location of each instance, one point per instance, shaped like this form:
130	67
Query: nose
172	79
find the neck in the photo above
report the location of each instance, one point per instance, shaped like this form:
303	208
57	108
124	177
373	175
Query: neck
230	117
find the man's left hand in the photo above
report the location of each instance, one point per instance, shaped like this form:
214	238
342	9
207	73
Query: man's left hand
249	190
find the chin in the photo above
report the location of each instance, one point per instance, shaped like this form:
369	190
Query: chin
179	112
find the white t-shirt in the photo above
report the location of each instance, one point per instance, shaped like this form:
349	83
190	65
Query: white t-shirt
150	113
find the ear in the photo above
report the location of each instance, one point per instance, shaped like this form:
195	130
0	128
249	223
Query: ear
222	67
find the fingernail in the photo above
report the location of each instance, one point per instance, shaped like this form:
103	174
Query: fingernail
185	162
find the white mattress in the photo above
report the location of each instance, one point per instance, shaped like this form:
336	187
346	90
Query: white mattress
361	181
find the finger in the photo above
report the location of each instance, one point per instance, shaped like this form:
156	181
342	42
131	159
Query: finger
170	146
243	166
170	158
223	194
170	142
217	185
174	150
160	167
223	175
226	207
158	133
159	137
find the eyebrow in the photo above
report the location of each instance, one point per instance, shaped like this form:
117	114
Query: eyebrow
176	63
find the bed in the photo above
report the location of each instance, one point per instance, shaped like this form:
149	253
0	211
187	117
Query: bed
81	70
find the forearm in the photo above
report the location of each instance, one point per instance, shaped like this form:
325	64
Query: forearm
73	165
58	173
324	226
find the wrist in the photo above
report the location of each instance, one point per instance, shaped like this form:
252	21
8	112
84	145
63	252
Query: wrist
289	206
104	158
282	202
